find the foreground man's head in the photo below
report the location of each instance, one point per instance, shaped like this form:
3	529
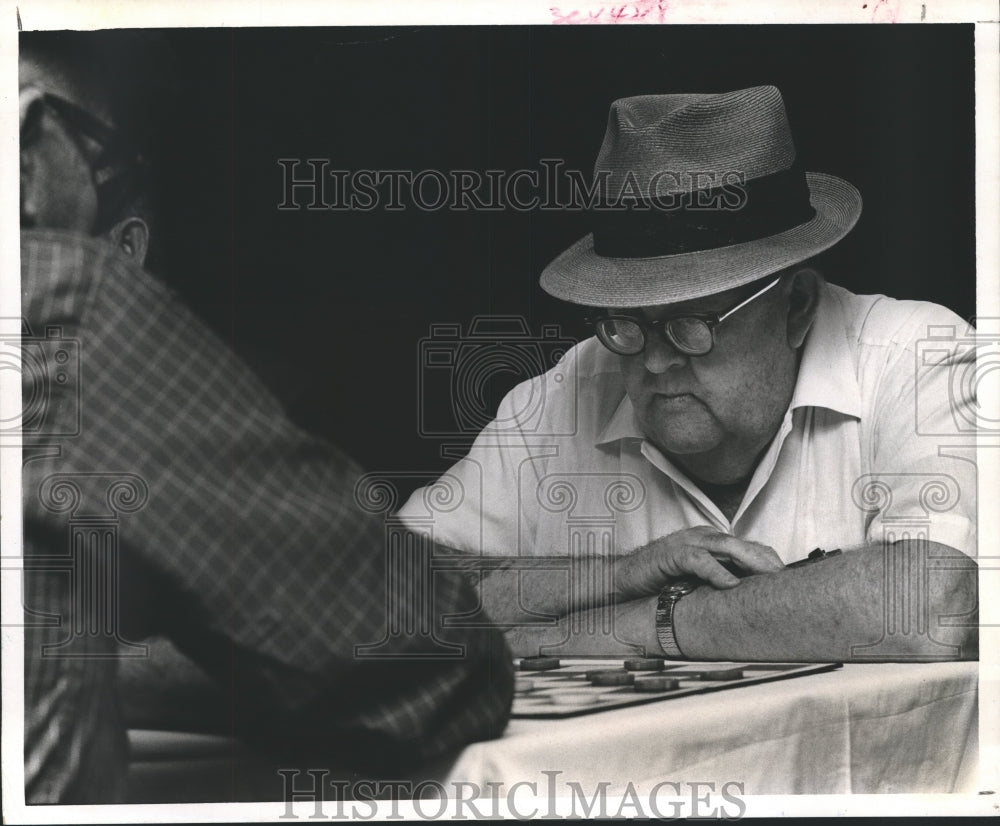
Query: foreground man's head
80	167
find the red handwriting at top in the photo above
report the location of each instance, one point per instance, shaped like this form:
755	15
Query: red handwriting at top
655	11
884	11
641	11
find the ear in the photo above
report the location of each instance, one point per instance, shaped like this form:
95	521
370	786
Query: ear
130	237
802	290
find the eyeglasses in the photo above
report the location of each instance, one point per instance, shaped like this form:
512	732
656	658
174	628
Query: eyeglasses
115	170
690	333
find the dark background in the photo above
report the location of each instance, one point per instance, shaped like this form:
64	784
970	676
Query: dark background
330	307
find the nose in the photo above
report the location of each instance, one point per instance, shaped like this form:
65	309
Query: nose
660	355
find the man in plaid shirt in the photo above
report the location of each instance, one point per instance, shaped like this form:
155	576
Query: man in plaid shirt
232	532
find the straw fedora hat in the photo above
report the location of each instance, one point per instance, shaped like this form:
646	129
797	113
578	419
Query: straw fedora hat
698	194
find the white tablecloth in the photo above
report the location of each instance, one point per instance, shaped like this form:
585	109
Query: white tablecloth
861	729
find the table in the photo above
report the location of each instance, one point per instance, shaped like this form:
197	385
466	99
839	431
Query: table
893	727
898	728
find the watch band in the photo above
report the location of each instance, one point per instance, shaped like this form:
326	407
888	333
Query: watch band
665	615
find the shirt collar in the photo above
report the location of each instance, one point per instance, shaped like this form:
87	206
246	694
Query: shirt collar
621	425
827	377
63	255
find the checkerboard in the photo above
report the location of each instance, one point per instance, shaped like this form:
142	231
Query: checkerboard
548	687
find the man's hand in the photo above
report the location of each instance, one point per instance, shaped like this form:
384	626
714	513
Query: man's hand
514	597
698	552
844	609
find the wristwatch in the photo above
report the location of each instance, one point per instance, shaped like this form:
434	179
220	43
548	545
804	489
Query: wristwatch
665	615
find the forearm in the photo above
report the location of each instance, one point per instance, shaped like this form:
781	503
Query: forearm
632	633
387	683
558	586
850	607
370	715
869	604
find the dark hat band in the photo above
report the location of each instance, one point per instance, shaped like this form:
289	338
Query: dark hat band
733	212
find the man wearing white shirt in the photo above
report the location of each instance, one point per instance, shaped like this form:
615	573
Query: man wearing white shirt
733	412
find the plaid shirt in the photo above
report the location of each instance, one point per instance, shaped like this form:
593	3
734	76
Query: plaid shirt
238	536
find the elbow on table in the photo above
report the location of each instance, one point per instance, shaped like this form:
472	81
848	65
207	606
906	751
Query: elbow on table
957	612
951	608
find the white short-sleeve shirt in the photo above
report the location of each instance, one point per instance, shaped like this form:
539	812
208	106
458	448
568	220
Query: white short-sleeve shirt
878	443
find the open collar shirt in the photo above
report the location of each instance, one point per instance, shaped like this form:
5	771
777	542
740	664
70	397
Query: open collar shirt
877	444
